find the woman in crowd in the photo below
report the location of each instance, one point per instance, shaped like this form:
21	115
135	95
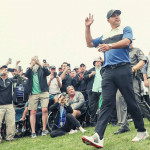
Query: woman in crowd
64	120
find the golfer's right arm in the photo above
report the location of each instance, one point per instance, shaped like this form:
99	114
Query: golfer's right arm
88	37
88	21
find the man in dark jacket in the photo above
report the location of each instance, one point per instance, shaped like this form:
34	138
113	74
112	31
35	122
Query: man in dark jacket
6	106
93	79
38	90
78	81
65	77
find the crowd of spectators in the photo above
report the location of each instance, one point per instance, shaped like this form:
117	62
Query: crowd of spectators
33	93
41	89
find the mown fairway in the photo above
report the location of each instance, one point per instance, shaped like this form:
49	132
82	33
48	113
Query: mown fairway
73	142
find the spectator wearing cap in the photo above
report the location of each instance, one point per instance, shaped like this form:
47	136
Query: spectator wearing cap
94	88
77	69
78	81
7	111
54	83
3	68
38	91
65	76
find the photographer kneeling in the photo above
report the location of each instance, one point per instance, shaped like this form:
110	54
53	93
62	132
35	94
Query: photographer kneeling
64	121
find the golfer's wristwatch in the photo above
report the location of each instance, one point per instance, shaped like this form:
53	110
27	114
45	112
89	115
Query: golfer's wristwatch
110	46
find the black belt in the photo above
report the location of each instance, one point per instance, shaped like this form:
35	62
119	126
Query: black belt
116	65
55	94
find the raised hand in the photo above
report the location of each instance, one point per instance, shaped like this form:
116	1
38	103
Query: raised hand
81	76
89	21
17	62
32	62
39	63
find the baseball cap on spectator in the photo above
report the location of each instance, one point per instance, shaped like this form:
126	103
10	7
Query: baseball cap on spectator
97	59
76	67
52	67
82	64
4	66
113	11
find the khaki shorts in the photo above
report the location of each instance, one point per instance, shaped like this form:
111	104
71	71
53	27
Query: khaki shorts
33	100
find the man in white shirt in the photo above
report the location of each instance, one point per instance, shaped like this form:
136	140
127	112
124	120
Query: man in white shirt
54	82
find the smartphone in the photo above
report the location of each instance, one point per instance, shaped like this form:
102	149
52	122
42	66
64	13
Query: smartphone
68	65
55	74
64	94
44	60
10	70
10	60
19	68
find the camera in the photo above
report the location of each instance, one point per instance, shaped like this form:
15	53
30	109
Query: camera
55	74
44	60
64	94
11	70
68	65
19	68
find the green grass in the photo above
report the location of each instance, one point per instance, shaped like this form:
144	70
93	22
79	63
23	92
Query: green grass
73	142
